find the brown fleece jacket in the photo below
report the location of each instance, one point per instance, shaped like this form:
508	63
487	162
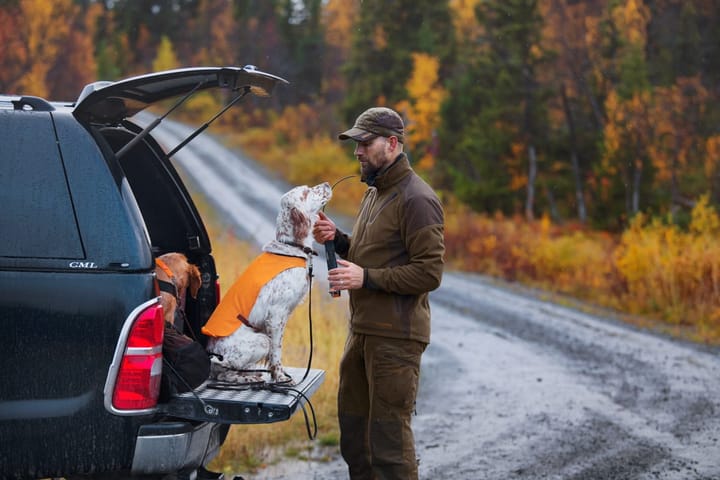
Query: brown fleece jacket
398	240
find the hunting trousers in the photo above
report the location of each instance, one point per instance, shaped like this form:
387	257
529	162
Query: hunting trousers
376	399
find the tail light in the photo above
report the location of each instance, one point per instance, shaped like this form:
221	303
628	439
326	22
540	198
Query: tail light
137	384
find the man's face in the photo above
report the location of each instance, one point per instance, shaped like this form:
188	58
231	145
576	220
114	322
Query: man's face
373	155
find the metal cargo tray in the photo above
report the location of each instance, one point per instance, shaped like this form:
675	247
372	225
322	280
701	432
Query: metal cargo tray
245	404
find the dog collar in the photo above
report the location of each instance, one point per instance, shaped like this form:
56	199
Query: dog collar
308	251
167	287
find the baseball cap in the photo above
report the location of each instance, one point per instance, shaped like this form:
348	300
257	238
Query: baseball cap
376	122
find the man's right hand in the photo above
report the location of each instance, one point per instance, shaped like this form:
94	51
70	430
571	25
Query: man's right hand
324	229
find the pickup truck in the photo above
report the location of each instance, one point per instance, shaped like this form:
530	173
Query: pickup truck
88	200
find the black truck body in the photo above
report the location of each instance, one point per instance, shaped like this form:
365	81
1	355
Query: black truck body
88	199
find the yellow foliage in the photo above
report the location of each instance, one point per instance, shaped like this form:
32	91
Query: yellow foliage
426	95
465	22
165	58
653	269
296	123
202	105
704	219
672	273
632	20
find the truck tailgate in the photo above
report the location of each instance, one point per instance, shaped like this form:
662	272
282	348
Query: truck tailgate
245	404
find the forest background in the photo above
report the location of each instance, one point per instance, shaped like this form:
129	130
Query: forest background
575	143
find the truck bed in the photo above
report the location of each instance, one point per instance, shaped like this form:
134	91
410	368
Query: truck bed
245	404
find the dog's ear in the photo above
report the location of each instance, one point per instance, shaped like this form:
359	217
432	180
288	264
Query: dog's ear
300	223
195	280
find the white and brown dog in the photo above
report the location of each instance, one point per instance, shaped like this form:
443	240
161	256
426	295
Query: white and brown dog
246	329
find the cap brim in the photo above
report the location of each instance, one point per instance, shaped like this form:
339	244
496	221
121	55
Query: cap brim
357	134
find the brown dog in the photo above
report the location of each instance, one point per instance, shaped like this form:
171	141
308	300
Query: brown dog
176	277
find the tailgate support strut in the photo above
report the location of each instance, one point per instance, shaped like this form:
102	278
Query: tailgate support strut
204	126
154	124
197	132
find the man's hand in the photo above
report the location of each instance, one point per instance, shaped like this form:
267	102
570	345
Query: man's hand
324	229
347	276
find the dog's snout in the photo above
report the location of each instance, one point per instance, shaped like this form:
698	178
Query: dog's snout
324	190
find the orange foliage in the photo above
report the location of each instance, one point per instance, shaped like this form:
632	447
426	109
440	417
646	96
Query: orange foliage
570	260
674	114
35	40
653	269
712	156
338	17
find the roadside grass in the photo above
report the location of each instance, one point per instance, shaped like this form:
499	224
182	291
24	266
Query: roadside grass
251	447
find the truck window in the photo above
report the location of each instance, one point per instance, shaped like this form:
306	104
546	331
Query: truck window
37	218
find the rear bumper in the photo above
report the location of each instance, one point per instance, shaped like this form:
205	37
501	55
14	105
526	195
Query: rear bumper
176	445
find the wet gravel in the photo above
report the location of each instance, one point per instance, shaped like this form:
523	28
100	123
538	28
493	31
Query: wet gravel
516	387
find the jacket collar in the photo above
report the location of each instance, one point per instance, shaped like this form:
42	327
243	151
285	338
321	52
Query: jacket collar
394	172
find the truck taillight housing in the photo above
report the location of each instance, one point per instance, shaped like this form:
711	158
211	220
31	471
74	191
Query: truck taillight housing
138	366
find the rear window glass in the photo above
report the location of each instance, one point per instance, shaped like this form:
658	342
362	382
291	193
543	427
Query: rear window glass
36	212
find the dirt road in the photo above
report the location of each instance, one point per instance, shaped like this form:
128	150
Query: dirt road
514	387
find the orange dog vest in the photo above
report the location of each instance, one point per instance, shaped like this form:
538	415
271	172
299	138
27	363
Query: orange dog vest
235	306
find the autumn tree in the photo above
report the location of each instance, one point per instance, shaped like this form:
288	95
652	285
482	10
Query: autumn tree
211	35
494	118
74	65
677	147
385	37
338	20
39	34
627	132
576	115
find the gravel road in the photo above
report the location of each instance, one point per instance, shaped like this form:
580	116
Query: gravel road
515	387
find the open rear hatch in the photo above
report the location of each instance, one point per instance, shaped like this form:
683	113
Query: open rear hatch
111	104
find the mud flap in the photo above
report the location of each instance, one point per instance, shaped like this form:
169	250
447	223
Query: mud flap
245	404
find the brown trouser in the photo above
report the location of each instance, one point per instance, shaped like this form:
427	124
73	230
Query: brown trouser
376	398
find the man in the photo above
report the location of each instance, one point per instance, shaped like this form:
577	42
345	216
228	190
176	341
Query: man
393	258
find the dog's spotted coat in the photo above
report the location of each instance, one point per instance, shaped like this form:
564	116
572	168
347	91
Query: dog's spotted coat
253	348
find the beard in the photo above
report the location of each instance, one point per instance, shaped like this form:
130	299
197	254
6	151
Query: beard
368	171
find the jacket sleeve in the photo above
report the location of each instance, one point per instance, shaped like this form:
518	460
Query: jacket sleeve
342	243
423	236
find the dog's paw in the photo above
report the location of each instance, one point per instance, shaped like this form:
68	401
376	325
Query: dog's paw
221	373
278	375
